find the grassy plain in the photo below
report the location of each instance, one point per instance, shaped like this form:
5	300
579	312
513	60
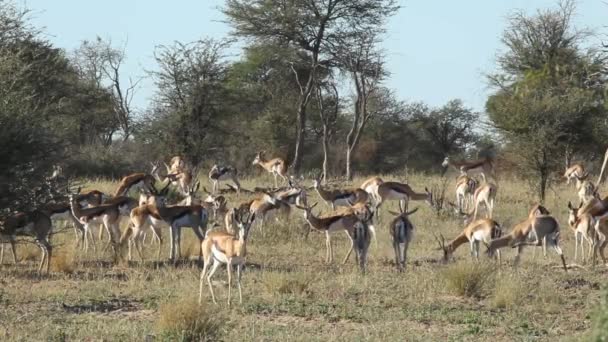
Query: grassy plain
291	295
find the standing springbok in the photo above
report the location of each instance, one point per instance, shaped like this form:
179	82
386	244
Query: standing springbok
36	224
583	227
402	234
484	166
220	173
586	189
370	186
338	197
399	191
276	166
225	248
475	233
177	217
486	194
141	181
109	214
179	176
573	172
465	190
537	228
331	224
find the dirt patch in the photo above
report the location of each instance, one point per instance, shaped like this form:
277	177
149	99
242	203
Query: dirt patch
577	283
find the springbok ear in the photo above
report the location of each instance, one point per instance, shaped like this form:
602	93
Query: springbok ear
198	185
426	189
570	205
78	190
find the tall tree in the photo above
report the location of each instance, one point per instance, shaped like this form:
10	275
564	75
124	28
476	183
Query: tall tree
315	27
548	90
100	63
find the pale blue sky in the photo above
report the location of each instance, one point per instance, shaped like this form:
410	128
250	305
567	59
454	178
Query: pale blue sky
437	49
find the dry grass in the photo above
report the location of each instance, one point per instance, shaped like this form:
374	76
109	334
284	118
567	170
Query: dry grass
470	279
184	320
290	294
64	262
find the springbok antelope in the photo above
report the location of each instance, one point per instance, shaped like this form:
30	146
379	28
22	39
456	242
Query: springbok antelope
573	172
193	216
220	173
401	192
142	181
276	166
177	164
330	224
583	227
142	219
343	198
539	228
36	224
63	212
225	248
109	214
363	231
475	233
370	186
179	176
268	207
402	234
486	194
465	190
586	189
484	166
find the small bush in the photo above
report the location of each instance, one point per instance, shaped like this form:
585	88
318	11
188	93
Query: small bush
469	279
186	320
508	292
63	262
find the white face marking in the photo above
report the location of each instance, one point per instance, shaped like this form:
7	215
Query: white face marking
445	162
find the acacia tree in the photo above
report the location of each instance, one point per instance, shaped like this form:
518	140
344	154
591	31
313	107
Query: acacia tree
314	27
547	90
191	94
449	128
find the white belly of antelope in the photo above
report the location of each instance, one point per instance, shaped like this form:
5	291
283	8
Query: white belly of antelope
479	236
221	257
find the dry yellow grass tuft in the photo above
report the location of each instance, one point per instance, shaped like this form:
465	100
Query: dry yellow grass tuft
470	279
185	320
63	261
508	290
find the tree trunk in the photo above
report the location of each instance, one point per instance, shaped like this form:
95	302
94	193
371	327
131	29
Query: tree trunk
349	176
325	152
300	135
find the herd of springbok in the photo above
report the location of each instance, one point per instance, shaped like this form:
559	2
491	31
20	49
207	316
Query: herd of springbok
353	210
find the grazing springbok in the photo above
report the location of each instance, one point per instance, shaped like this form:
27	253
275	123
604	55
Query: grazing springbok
484	166
399	191
475	233
34	223
224	248
220	173
537	229
276	166
573	172
402	234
